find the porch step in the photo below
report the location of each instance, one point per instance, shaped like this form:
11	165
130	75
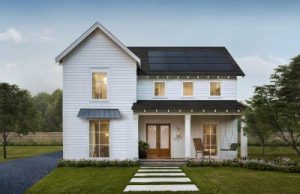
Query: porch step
162	162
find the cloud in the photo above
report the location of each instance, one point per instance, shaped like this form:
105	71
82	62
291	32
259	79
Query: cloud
12	34
258	70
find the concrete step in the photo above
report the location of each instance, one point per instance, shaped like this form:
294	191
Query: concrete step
162	162
158	188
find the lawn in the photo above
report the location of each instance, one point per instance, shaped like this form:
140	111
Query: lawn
271	152
15	152
209	180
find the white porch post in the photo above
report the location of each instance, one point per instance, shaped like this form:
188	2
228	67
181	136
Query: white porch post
244	141
187	136
136	136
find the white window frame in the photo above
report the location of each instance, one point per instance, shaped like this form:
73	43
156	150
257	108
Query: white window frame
91	84
209	93
154	89
182	88
109	144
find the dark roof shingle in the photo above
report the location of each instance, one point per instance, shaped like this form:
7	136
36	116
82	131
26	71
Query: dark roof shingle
186	61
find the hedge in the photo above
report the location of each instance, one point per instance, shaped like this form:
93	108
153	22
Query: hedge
96	163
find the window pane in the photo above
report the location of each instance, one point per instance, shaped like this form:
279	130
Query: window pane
99	85
164	136
151	139
188	88
104	151
99	138
215	88
159	89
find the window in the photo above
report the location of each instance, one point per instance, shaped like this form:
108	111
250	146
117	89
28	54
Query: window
215	88
188	88
159	88
99	85
99	138
210	139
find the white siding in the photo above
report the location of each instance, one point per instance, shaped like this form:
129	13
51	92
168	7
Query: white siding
98	52
145	90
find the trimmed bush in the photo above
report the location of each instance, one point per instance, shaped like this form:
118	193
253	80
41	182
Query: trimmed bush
249	164
96	163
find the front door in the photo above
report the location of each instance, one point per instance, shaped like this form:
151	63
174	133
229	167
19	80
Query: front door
158	138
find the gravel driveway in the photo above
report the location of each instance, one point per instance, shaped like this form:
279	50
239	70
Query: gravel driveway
17	176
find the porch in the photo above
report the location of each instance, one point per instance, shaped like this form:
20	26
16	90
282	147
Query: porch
170	136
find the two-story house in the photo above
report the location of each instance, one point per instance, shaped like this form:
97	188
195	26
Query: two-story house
115	96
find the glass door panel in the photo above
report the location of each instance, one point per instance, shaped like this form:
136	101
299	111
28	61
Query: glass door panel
151	136
210	139
164	137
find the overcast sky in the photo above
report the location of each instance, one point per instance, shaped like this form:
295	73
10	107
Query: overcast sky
260	35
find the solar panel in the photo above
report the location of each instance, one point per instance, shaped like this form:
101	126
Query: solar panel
189	60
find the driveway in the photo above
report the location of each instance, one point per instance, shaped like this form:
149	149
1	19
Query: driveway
17	176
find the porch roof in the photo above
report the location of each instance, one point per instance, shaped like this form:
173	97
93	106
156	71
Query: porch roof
86	113
187	106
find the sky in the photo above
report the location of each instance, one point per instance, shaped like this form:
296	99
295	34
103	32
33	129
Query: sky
260	35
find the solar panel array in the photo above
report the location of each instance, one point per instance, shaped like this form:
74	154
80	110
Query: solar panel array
201	60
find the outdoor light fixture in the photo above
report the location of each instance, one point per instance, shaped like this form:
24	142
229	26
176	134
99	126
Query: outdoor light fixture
177	132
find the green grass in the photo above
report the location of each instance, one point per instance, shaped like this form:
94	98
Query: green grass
16	152
85	180
271	152
209	180
238	180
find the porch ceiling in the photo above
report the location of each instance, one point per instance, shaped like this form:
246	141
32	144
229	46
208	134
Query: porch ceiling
188	106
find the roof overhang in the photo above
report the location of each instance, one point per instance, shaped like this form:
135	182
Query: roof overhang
97	25
188	106
86	113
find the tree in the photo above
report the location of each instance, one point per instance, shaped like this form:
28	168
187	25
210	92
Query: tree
49	107
17	113
255	117
280	102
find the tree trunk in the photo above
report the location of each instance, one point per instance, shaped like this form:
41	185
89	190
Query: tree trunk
4	148
296	149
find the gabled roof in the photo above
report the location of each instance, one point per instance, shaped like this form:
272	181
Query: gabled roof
186	61
97	25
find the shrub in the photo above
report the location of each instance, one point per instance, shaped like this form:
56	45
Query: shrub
143	148
249	164
96	163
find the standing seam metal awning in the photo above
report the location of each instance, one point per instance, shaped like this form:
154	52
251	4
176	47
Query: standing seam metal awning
86	113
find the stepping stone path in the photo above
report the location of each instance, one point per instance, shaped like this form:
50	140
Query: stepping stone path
160	179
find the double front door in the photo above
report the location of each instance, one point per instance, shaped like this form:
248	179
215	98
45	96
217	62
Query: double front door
158	138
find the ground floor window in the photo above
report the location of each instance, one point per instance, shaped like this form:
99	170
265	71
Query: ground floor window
99	138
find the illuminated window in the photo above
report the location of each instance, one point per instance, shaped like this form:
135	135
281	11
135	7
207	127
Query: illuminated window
159	88
215	88
99	85
188	88
99	138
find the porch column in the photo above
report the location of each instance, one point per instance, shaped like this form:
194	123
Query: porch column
187	136
136	136
244	140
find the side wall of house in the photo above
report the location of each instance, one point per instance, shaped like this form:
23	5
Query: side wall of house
98	52
145	89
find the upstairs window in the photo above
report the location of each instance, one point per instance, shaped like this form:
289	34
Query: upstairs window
159	88
99	85
188	88
215	88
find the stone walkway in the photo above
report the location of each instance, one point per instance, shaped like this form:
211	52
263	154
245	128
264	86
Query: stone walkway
160	179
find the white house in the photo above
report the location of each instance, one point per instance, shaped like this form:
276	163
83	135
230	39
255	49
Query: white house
170	97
